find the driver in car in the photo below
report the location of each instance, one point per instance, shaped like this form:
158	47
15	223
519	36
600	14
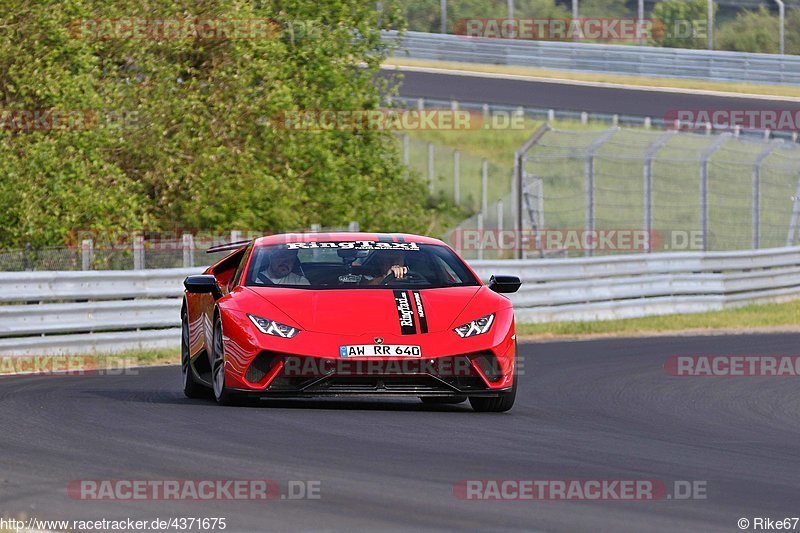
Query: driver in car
388	263
280	270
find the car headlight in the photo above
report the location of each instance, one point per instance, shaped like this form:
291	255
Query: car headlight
476	327
270	327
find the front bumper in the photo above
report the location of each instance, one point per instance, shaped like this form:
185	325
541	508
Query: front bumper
286	375
262	365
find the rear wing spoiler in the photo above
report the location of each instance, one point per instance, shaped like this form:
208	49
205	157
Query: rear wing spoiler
228	246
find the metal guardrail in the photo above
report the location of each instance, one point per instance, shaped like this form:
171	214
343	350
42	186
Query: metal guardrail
587	57
121	310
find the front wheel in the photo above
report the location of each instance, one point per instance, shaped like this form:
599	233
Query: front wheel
221	393
499	404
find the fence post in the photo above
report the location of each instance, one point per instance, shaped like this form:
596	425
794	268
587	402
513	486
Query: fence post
236	235
795	214
756	240
648	185
517	183
316	228
480	235
27	257
589	183
456	177
430	168
187	243
87	253
500	216
706	155
138	252
353	226
484	185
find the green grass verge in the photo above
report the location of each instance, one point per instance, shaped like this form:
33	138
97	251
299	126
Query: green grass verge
91	361
764	316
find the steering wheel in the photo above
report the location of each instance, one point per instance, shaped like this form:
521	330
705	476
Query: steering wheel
410	277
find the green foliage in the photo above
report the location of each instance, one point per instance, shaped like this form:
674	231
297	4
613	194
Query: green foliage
425	15
681	23
182	136
758	31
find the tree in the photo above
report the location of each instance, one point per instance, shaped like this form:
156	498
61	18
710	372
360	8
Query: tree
759	31
681	23
179	131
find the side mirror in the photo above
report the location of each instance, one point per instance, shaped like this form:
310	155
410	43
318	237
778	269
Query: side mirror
202	284
504	284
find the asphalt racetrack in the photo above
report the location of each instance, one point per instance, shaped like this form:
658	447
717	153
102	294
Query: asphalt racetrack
599	410
555	95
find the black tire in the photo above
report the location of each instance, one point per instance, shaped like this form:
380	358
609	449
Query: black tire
439	400
221	394
498	404
191	387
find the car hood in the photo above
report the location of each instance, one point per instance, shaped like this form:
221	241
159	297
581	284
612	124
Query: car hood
367	311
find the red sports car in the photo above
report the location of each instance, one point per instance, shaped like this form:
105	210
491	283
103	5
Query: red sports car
338	314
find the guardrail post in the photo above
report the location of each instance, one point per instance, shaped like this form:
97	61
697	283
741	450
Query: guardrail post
648	185
87	253
430	168
706	155
138	252
187	243
456	177
756	240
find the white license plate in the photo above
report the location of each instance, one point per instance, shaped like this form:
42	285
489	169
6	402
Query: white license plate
379	350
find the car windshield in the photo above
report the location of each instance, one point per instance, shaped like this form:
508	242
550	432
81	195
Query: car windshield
357	265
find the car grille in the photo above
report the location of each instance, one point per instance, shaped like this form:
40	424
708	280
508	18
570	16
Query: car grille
311	375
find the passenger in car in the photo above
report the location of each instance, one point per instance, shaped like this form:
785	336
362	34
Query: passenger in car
281	269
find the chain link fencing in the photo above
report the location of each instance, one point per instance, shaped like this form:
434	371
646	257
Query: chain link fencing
634	190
